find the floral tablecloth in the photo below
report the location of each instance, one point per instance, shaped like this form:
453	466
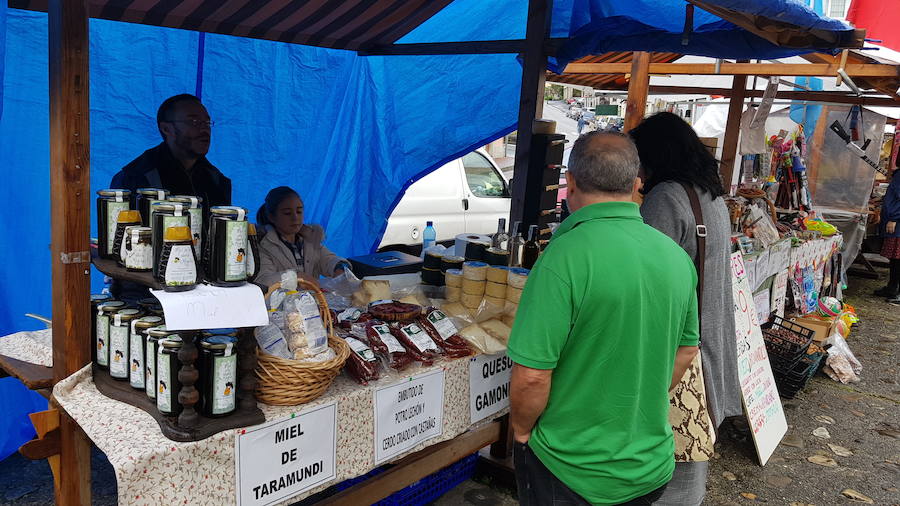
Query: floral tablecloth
34	346
151	469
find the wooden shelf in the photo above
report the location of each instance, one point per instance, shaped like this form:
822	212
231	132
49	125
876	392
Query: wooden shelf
205	427
34	376
114	270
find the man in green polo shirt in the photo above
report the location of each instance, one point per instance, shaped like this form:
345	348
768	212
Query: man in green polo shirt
607	319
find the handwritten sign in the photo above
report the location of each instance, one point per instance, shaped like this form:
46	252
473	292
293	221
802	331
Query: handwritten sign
779	256
779	293
489	377
281	459
408	413
762	406
763	301
213	307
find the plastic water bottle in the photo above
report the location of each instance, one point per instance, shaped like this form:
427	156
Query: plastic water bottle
429	236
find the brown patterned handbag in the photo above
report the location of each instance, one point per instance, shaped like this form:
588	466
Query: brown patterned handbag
692	423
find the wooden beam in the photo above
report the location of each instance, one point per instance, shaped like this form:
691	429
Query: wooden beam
732	130
534	64
750	69
70	199
417	466
638	86
810	96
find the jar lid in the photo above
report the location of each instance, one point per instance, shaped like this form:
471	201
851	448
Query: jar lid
173	341
100	297
153	192
148	322
217	342
177	234
112	306
128	314
229	212
161	331
166	207
129	216
219	332
113	192
190	200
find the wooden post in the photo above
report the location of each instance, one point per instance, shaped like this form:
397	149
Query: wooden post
732	130
70	226
534	66
638	86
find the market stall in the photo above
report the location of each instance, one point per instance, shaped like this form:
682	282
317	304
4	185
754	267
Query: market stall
79	391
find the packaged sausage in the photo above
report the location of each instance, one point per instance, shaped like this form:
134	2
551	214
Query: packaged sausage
442	330
378	335
362	364
416	341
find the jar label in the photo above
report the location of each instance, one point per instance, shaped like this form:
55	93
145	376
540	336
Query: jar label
150	381
442	324
180	267
138	254
164	382
360	349
224	379
112	221
197	230
118	351
419	338
102	343
235	250
136	367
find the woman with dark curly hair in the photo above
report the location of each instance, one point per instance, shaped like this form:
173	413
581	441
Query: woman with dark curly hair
675	162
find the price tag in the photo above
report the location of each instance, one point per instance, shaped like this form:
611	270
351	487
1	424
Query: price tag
408	413
489	377
281	459
213	307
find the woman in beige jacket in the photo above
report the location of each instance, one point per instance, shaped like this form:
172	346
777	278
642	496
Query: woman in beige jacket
289	244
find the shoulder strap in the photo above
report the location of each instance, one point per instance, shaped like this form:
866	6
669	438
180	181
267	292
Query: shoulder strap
700	232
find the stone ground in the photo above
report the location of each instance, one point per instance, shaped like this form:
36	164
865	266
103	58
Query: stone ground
863	418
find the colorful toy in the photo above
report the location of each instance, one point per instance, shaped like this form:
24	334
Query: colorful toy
829	306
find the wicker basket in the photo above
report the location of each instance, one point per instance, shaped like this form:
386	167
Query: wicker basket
286	382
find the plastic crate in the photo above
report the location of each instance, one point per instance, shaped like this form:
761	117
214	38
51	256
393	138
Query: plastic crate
425	490
786	342
790	383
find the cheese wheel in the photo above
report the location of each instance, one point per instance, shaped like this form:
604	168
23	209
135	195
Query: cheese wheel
495	301
476	271
517	277
454	293
513	294
453	277
497	274
471	301
497	290
473	287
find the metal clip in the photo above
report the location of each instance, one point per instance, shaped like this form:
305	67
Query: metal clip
77	257
701	230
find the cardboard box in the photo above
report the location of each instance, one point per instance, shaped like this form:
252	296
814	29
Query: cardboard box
822	328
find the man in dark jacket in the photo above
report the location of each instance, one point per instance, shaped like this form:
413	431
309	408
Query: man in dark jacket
179	163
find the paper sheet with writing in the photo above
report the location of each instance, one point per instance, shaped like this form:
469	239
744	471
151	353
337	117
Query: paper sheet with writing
213	307
762	405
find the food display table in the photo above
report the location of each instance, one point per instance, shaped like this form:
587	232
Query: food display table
151	469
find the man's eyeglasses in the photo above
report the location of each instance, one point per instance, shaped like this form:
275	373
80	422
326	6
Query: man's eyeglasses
196	123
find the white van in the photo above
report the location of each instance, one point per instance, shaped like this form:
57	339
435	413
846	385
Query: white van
466	195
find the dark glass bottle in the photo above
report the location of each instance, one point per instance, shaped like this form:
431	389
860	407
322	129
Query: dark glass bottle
218	375
531	249
109	204
177	263
226	250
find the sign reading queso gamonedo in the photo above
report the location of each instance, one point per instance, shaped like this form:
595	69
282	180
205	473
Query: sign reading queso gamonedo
281	459
489	377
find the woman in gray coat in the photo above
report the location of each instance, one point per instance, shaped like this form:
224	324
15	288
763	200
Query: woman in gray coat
671	154
289	244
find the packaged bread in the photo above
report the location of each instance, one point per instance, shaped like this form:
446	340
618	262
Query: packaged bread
473	287
453	277
497	273
371	290
476	271
517	277
497	290
513	294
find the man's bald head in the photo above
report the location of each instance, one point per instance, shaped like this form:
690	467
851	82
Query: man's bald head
604	163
